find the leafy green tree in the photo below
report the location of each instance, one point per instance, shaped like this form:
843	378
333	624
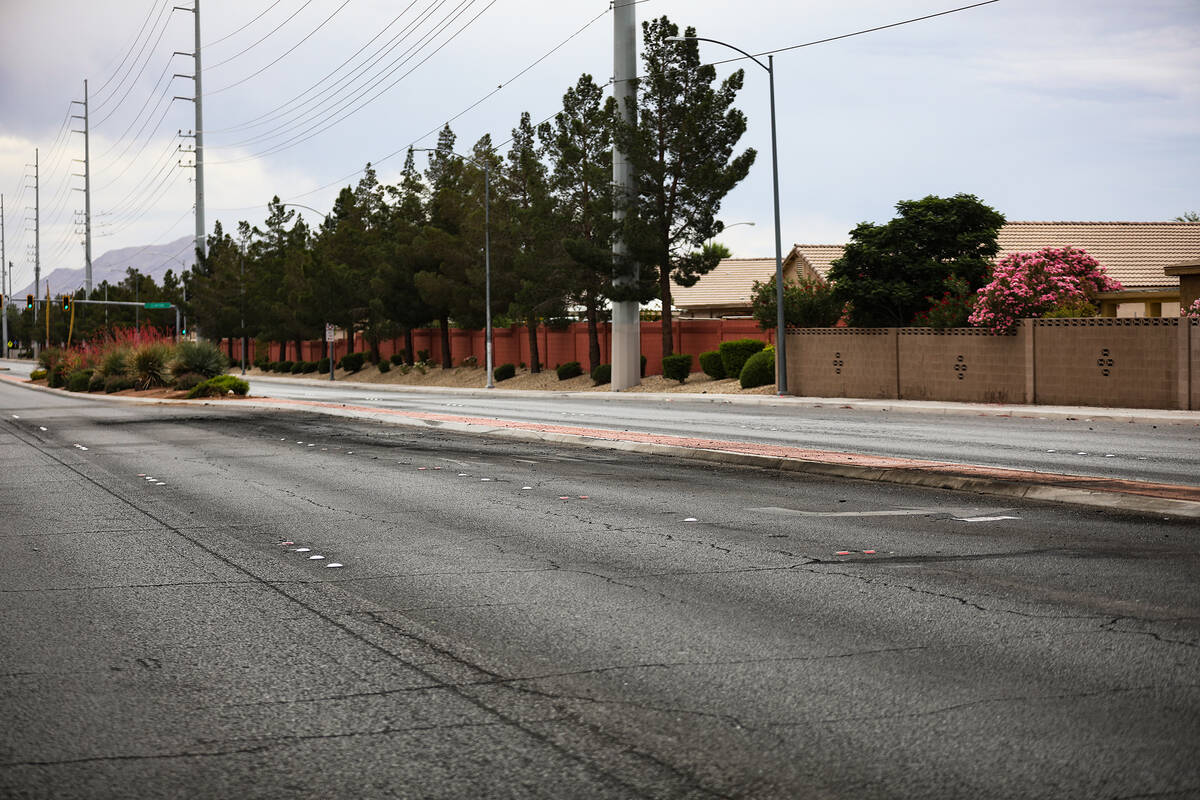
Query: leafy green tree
394	287
281	285
682	151
888	272
1188	216
578	145
215	288
809	303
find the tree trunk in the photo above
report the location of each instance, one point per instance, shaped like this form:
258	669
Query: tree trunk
444	322
374	348
664	284
409	353
283	350
535	359
593	331
299	349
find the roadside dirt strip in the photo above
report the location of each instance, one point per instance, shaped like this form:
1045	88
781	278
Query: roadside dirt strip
1112	493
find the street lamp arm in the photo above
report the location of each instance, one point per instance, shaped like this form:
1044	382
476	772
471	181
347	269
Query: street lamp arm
718	41
308	208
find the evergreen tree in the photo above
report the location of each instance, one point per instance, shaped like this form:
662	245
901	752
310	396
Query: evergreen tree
681	147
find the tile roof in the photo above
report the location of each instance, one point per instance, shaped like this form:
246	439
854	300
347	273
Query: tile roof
1134	253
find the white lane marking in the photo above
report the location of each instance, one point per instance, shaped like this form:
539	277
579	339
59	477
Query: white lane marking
896	512
526	487
524	461
691	519
982	519
484	479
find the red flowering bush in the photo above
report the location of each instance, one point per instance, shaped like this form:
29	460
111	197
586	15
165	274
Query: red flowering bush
1193	312
951	310
1032	284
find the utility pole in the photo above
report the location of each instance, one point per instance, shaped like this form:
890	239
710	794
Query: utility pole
4	293
37	230
626	316
198	133
87	192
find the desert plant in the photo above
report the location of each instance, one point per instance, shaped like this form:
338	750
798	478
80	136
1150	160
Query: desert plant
201	358
602	374
58	375
96	384
78	380
569	370
469	361
677	367
712	365
149	365
504	372
38	375
117	383
115	361
188	381
220	385
759	369
735	353
49	357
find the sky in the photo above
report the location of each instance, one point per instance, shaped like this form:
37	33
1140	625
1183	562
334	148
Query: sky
1063	110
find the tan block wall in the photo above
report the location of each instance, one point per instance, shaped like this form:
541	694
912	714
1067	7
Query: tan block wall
964	365
1131	363
840	362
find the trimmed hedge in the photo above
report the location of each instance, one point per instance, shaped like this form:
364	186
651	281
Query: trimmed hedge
298	367
220	385
504	372
398	358
323	366
759	369
353	362
735	353
284	366
678	367
117	383
37	375
78	380
96	384
602	374
712	365
569	370
384	365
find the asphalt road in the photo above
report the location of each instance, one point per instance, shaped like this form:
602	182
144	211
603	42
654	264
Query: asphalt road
1082	446
523	620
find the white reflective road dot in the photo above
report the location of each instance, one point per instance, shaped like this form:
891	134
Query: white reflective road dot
332	564
302	549
315	558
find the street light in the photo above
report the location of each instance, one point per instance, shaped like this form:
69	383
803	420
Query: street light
780	329
487	249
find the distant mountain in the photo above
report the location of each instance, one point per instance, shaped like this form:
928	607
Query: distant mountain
153	260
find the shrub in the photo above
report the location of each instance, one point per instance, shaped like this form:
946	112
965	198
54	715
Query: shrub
149	365
678	367
37	375
759	369
1032	284
115	361
352	362
504	372
423	356
201	358
951	310
712	365
49	357
602	374
398	358
735	353
323	366
220	385
569	370
469	361
284	366
188	381
78	380
384	365
96	384
117	383
298	367
1078	308
58	376
808	303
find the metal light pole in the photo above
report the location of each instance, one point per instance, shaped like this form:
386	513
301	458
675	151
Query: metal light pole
780	324
487	250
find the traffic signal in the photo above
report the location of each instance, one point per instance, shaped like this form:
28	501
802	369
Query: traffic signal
29	302
66	301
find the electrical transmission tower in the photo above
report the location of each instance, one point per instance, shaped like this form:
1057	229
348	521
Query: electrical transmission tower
87	191
198	133
37	229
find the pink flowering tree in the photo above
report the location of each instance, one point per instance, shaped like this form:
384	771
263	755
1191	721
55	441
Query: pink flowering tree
1035	284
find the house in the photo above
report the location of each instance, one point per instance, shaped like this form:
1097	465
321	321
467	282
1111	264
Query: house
1135	253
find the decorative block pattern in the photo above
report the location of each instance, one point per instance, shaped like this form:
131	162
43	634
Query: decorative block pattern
961	365
1129	363
840	362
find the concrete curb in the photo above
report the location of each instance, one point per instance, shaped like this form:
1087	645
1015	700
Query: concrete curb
933	478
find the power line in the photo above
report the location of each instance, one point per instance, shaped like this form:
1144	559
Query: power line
273	31
129	49
313	130
285	54
261	14
390	69
141	50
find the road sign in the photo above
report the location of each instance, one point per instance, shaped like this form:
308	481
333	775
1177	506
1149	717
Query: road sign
156	305
329	331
